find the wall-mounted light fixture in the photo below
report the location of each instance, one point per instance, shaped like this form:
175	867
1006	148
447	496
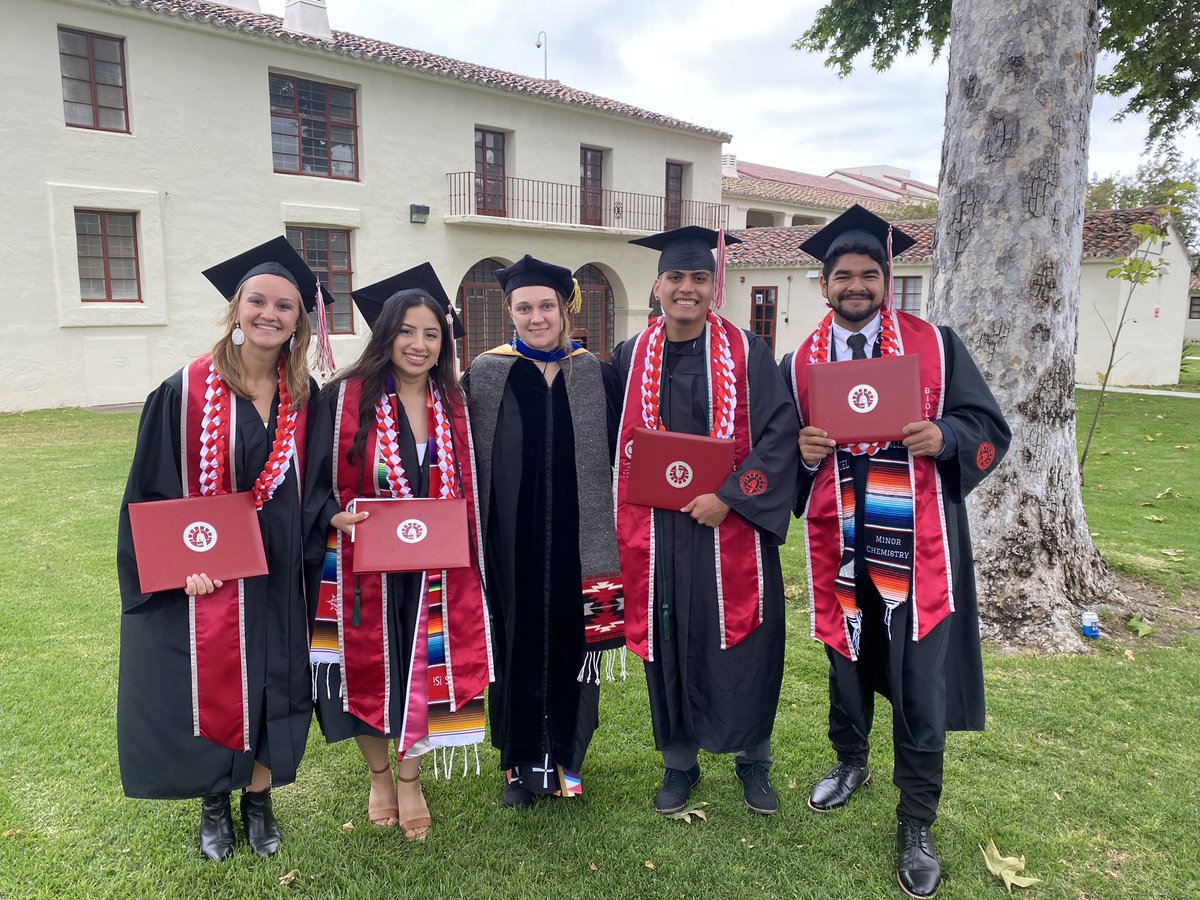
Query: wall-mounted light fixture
418	214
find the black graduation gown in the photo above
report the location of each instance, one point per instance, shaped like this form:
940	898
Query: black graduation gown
159	756
936	684
537	705
404	588
702	696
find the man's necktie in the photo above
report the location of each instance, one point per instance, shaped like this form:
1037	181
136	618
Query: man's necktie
856	342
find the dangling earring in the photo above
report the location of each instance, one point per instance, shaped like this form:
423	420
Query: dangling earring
292	341
238	337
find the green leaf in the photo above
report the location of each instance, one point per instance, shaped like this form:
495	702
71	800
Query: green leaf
1138	627
1007	868
688	812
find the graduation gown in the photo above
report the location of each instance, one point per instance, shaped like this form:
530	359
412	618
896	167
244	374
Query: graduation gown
404	588
719	700
936	683
537	705
159	756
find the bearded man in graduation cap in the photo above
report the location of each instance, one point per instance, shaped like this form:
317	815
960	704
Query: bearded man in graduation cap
891	578
703	587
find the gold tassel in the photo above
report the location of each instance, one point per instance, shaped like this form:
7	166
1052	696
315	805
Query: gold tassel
576	303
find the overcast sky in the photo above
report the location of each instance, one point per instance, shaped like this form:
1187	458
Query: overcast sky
726	65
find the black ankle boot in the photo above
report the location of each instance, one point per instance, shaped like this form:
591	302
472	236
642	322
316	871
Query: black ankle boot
262	833
216	827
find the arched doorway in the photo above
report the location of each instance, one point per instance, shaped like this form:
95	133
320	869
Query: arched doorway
593	324
481	303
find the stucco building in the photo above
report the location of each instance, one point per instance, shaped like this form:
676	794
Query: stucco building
147	139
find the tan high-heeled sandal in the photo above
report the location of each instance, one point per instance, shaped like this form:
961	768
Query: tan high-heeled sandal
423	822
383	813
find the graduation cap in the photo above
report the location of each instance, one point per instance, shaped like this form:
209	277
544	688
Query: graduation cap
371	299
689	249
275	257
686	249
278	257
857	226
527	272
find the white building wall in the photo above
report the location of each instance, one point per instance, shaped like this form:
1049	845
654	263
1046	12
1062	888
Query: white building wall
197	169
1149	346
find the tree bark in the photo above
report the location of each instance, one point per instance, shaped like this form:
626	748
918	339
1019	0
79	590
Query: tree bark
1007	255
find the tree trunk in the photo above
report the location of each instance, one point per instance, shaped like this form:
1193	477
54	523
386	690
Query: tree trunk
1006	266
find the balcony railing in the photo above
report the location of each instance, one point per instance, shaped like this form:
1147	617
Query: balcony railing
560	204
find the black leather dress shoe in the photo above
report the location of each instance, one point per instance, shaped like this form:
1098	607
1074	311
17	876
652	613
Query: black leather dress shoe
835	789
917	867
756	787
216	827
677	785
258	818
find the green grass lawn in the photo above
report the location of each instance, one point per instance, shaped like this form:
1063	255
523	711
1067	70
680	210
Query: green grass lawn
1087	767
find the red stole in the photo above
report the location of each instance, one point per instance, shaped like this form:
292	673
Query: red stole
220	707
365	647
932	587
735	542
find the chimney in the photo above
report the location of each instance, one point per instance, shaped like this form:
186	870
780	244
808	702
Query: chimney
307	17
729	165
247	5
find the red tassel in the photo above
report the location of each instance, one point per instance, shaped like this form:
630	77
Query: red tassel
719	294
324	348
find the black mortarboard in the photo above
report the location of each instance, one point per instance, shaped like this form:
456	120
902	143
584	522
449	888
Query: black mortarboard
856	226
686	249
275	257
529	271
371	299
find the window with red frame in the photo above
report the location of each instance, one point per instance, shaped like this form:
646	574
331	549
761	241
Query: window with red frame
762	313
327	253
907	294
106	247
490	182
673	207
314	128
93	80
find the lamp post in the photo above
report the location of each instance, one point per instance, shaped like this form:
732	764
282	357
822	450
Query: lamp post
543	43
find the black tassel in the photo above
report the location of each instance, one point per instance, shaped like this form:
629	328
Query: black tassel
357	620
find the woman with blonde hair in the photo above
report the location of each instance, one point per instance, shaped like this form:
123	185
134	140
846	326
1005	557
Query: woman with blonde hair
399	657
214	691
544	414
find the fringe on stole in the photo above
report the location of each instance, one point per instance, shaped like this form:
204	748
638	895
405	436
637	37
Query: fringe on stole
447	754
593	660
316	676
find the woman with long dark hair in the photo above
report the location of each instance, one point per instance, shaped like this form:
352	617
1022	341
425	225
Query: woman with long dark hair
214	692
400	657
544	411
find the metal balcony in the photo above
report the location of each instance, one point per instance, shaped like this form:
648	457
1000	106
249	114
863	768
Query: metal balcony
568	204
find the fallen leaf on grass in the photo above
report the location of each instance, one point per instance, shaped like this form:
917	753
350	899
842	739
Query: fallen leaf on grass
1128	656
1171	552
1139	469
649	865
1183	446
593	866
1106	453
12	832
289	877
1148	437
1007	868
1058	796
1169	492
1138	627
1154	518
687	812
792	785
1146	503
347	826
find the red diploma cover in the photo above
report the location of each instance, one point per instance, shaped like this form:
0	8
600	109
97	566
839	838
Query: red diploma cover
217	535
669	470
865	400
412	535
